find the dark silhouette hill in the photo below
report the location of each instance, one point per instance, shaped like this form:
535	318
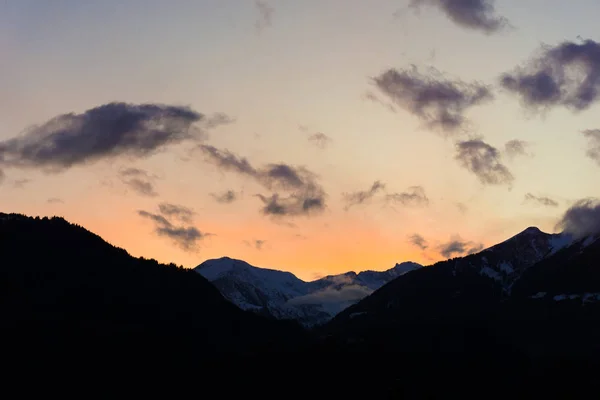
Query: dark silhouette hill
64	290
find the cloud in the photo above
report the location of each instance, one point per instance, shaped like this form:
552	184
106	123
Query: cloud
472	14
418	241
459	247
514	148
544	201
462	208
581	219
218	119
303	195
265	18
2	176
593	136
362	196
183	214
438	101
349	293
54	200
257	243
139	181
107	131
20	183
227	161
566	75
484	161
414	196
228	196
319	139
187	237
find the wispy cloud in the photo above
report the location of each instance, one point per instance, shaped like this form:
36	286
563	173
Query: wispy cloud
226	197
54	200
472	14
362	196
296	190
265	15
438	101
319	139
138	180
181	213
187	237
256	243
593	136
414	196
566	75
540	200
484	161
458	247
514	148
418	241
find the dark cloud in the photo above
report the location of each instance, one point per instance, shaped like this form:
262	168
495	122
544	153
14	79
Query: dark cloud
227	161
484	161
414	196
106	131
459	247
362	196
438	101
142	187
54	200
139	181
582	219
319	139
182	213
185	236
418	241
514	148
265	18
303	194
566	75
228	196
540	200
593	136
472	14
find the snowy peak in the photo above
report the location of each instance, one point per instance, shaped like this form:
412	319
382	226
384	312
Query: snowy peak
283	295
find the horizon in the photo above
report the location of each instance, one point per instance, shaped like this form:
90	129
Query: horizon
311	137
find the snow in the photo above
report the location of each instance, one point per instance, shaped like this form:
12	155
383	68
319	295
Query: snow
586	297
539	295
286	296
491	273
560	241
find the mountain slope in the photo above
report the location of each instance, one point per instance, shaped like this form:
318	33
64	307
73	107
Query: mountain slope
284	296
62	287
446	296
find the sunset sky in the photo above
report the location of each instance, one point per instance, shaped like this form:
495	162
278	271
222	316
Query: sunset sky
312	136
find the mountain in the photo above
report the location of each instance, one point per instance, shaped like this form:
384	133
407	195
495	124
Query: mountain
284	296
487	298
64	290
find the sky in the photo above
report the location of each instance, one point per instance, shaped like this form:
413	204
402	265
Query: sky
313	136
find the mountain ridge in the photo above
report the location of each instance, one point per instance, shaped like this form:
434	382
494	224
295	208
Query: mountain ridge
282	295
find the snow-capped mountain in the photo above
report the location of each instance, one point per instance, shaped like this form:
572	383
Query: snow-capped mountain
284	296
507	261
